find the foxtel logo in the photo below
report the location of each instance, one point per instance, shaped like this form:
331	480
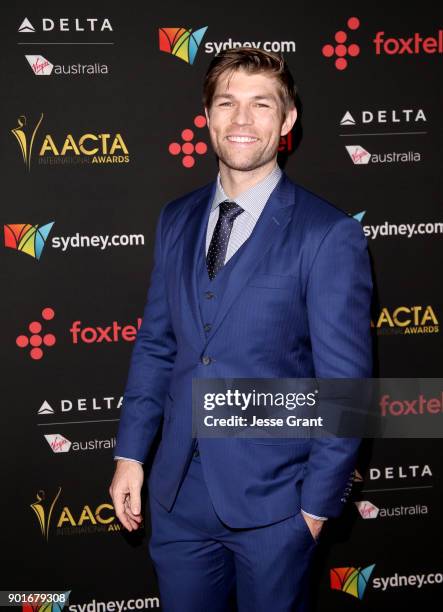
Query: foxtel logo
361	156
111	333
413	45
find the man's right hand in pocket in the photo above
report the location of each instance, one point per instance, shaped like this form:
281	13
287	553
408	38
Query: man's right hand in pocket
125	493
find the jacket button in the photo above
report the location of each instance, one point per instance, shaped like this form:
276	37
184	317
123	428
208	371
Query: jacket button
209	295
206	360
207	327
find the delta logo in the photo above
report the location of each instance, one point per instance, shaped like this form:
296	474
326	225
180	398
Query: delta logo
71	519
93	406
41	66
382	117
88	148
60	444
404	474
406	320
26	238
181	42
351	580
362	157
66	24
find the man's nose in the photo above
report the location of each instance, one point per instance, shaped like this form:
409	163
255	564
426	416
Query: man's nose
242	115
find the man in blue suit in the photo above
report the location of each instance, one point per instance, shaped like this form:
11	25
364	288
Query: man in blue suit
254	277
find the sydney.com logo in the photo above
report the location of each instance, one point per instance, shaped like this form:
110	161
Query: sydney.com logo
180	42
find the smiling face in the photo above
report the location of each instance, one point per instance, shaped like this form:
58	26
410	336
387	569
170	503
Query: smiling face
246	120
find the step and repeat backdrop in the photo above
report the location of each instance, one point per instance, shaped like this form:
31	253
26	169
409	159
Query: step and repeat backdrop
101	125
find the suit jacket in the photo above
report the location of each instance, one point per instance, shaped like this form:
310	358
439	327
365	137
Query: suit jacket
297	305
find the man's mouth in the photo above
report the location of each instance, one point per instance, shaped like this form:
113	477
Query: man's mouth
242	139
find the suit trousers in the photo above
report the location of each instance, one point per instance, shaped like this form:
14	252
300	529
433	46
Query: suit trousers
200	560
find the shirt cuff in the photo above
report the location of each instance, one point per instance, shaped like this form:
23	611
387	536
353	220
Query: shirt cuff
128	459
319	518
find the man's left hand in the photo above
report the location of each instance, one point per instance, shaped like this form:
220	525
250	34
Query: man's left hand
315	525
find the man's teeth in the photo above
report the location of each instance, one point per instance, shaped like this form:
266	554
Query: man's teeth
241	139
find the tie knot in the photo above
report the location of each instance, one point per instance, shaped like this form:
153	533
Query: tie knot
230	210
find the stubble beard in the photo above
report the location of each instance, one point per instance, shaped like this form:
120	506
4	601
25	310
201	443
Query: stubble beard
246	163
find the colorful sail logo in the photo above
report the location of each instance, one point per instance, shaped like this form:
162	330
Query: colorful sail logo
49	606
351	580
29	239
180	42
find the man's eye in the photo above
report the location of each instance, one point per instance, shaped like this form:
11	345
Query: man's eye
262	105
225	103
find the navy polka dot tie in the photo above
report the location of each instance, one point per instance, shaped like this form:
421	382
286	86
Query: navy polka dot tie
215	258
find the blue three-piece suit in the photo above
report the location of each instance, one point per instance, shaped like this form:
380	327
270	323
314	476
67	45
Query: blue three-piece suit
292	302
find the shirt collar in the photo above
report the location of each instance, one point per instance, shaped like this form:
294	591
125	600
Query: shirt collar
252	200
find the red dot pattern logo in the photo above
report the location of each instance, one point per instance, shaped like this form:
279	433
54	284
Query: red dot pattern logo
187	147
340	49
36	340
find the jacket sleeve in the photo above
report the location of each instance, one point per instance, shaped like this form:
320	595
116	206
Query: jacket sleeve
150	368
338	297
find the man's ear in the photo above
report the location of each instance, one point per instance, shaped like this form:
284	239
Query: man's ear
207	116
288	123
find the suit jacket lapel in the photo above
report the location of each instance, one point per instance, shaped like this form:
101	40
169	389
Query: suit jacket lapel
274	218
272	221
194	240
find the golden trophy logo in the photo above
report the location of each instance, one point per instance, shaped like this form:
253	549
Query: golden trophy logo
25	139
43	513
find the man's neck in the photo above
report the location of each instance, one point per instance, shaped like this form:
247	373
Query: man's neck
235	182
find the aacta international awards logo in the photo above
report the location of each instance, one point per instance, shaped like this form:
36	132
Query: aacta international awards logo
351	580
25	137
180	42
103	148
73	519
27	238
43	509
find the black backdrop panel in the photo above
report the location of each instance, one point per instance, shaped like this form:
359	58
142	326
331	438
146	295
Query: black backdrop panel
368	139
